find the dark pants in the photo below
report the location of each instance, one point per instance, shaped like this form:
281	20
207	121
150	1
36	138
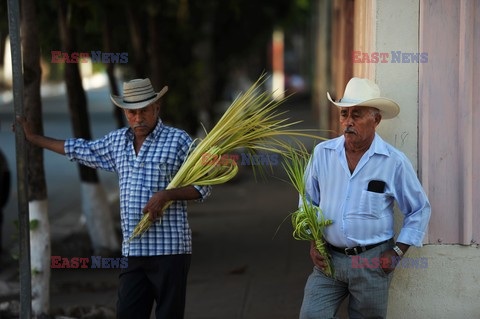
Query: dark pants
159	278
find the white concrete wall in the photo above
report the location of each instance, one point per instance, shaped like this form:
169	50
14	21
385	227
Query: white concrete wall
450	286
397	30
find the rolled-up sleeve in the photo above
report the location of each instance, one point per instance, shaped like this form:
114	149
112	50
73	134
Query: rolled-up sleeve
94	154
204	192
184	148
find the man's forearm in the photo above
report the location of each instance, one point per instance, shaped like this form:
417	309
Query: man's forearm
159	200
183	193
57	146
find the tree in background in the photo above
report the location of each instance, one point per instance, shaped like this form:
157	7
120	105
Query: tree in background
94	201
110	67
4	193
3	34
40	246
199	44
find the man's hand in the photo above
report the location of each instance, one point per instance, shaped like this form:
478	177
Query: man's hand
27	127
390	255
387	257
160	199
57	146
155	205
317	259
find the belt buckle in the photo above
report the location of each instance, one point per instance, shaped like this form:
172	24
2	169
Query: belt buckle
347	251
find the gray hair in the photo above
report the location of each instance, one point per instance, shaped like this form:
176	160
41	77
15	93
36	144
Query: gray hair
374	111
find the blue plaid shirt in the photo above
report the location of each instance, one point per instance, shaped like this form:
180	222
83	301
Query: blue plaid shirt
140	176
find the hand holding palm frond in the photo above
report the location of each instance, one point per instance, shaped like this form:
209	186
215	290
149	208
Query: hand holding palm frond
308	221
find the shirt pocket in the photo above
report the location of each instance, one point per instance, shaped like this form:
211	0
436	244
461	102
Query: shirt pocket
158	175
373	205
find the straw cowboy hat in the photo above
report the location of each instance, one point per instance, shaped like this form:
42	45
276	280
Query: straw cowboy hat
364	92
138	93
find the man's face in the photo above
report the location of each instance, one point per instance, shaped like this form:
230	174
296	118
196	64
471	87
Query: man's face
359	123
143	121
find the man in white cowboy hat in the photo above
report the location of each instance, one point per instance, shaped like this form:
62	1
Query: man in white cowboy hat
145	156
355	179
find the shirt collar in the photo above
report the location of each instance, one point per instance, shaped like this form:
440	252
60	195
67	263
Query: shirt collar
378	146
158	128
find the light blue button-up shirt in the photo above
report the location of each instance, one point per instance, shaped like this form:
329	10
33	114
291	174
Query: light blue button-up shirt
362	217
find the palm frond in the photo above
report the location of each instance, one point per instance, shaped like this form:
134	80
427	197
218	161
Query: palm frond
252	122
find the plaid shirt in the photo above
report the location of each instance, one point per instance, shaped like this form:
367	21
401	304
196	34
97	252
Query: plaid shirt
140	176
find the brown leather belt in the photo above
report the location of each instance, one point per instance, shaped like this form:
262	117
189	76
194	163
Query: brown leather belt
355	250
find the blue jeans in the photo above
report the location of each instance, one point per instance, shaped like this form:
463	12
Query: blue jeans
367	288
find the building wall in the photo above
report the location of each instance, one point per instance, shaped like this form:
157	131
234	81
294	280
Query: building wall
449	286
449	113
321	64
399	81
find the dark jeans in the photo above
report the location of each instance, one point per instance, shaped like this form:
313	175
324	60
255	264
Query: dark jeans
159	278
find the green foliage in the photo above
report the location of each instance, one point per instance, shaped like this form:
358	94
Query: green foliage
34	224
35	272
308	221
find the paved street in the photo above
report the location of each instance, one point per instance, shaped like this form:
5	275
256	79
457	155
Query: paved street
240	268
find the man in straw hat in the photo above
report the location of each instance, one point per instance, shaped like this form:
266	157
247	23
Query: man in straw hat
145	156
355	180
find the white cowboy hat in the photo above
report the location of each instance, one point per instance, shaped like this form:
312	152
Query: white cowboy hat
364	92
137	93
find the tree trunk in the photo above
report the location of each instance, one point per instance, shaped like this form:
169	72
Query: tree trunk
40	247
155	49
5	186
3	40
94	201
107	47
203	96
137	40
117	112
